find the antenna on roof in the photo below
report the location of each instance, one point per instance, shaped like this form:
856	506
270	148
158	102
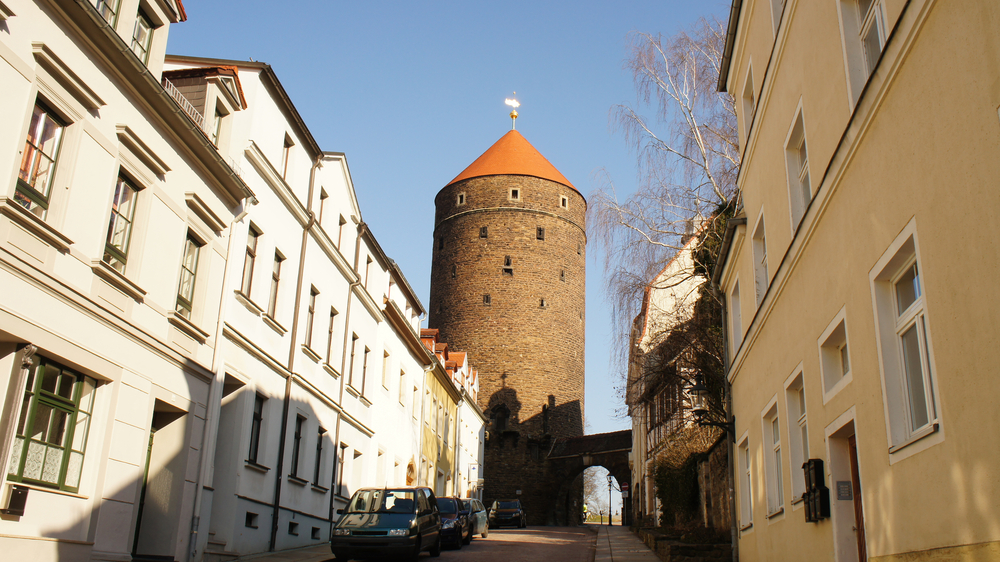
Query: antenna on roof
513	114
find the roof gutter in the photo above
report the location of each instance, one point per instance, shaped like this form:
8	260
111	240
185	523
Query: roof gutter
727	53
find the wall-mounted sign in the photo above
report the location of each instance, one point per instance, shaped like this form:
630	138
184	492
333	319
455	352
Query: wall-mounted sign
844	490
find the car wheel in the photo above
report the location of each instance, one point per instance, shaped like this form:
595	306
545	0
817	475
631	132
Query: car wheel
486	531
416	549
468	537
436	549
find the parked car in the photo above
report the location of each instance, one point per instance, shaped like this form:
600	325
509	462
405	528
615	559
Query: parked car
380	522
507	512
455	529
479	523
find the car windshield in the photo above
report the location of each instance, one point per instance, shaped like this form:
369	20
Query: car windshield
382	501
467	505
508	505
447	505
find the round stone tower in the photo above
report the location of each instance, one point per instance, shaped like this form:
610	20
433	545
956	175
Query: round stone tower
507	286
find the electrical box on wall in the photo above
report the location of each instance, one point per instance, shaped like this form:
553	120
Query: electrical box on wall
817	495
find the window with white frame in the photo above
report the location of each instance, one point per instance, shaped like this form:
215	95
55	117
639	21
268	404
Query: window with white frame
749	102
350	366
38	160
797	162
735	318
772	461
108	9
120	224
142	36
834	354
904	341
798	434
310	316
272	301
253	234
746	491
871	22
760	274
189	271
864	34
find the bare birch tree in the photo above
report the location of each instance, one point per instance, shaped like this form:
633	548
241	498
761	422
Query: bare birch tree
687	154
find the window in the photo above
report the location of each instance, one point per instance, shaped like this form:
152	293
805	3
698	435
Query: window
350	369
51	436
293	528
508	266
286	155
540	233
38	161
872	28
402	387
797	161
189	269
904	340
541	303
735	320
108	9
255	425
760	260
310	316
252	235
272	301
798	433
297	444
454	271
749	102
251	520
461	199
563	202
329	336
319	455
746	492
772	457
486	300
217	127
515	194
142	36
364	369
484	232
834	357
385	370
120	225
562	275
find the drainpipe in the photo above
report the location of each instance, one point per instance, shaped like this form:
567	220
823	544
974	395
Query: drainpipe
337	479
730	437
209	437
291	353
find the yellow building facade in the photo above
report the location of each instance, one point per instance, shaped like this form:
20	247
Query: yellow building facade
440	407
858	321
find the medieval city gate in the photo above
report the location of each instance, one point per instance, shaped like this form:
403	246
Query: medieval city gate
570	456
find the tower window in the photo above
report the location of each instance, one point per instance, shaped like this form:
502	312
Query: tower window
564	202
461	199
453	268
579	249
540	233
562	275
508	266
486	300
484	232
541	303
515	194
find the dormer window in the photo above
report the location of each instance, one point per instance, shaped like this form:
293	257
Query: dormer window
142	36
108	9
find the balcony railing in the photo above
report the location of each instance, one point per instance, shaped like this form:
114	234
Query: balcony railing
182	101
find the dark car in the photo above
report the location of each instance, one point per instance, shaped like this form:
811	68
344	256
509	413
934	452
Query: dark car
381	522
455	529
479	523
508	512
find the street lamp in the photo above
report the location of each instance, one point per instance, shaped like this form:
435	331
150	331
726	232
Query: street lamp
699	406
609	499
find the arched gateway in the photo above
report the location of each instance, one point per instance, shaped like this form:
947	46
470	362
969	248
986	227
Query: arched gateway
571	456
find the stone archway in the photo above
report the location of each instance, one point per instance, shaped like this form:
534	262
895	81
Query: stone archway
569	457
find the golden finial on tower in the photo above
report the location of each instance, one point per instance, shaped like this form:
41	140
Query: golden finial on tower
513	114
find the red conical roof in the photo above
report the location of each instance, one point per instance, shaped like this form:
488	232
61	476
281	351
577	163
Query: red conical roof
512	155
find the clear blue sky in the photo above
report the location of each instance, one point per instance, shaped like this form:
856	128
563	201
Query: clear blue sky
413	92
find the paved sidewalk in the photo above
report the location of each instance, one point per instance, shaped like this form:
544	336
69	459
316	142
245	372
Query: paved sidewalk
614	544
617	544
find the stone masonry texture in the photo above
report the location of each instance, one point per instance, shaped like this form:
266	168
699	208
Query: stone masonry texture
528	341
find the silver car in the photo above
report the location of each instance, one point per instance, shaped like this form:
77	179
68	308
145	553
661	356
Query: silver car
478	518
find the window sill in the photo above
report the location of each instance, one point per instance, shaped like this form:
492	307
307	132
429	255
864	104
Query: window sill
352	391
320	489
311	354
255	466
930	429
186	326
776	512
296	480
249	304
40	228
798	499
333	372
366	402
119	281
48	490
746	527
271	323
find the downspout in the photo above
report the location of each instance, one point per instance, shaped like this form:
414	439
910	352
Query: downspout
291	353
206	472
337	478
